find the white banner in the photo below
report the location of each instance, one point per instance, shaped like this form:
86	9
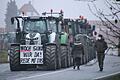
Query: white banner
31	54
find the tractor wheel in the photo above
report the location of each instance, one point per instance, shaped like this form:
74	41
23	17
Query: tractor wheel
68	60
50	57
64	58
14	58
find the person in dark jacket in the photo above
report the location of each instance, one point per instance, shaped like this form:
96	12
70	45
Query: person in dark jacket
77	52
100	46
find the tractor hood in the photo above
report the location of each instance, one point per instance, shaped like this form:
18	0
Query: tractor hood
33	39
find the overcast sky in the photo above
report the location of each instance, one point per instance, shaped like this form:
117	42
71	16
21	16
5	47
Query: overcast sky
71	8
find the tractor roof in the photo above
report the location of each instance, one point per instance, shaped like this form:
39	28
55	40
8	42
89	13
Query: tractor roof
37	18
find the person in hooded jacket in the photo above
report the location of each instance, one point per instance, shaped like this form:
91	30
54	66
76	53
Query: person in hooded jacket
77	52
100	46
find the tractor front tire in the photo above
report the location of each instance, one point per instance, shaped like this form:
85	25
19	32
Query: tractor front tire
14	58
64	56
50	57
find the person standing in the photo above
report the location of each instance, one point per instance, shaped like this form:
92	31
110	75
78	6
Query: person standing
77	52
100	46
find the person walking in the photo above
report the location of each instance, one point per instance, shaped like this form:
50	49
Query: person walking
77	52
100	46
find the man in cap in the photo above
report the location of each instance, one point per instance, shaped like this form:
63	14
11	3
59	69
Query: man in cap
100	46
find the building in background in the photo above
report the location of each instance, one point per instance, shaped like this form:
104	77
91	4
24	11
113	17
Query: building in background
28	10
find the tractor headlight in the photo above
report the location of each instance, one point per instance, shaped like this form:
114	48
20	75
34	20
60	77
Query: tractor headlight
34	41
36	38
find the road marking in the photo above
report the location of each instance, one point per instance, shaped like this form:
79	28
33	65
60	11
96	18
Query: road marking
107	75
24	78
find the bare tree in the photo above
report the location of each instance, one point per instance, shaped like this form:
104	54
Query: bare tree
110	20
12	11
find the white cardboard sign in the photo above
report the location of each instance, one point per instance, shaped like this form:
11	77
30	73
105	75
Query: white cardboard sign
31	54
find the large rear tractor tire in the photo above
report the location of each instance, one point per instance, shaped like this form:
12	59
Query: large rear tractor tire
50	57
64	56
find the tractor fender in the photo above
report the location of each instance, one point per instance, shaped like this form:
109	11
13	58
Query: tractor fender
47	44
64	44
14	44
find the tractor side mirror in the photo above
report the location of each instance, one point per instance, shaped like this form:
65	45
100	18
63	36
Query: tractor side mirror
12	20
47	32
93	27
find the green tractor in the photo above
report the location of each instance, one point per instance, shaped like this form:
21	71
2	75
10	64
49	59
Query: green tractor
39	44
82	30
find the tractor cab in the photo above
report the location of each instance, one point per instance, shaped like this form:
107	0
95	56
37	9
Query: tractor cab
36	30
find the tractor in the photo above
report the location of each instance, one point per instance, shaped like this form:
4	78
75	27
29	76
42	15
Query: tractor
82	30
40	43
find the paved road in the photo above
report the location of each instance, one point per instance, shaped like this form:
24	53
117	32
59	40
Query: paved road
86	72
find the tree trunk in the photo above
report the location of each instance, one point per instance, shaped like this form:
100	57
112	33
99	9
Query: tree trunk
118	51
119	48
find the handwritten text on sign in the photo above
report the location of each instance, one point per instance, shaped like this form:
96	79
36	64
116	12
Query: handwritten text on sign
31	54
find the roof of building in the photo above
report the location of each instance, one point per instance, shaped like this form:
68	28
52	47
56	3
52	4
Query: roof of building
28	8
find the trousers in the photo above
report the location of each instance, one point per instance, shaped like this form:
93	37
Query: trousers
77	61
100	57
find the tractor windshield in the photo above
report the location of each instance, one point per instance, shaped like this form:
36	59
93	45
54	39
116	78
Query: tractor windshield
35	26
52	25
